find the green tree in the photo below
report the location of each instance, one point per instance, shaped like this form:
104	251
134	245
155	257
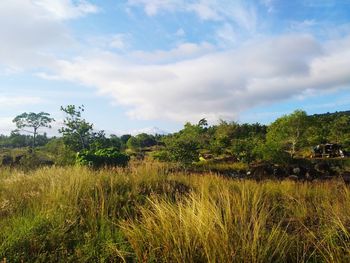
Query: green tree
340	129
115	142
124	138
247	149
33	121
133	144
98	140
146	140
288	133
183	147
222	137
77	132
317	131
58	151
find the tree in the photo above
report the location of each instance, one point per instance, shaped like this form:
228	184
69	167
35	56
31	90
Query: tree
203	123
146	140
183	147
133	144
60	152
124	138
34	121
115	141
288	133
222	137
76	132
108	157
247	149
340	129
98	140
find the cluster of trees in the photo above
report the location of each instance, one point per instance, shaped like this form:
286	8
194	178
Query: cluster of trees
226	138
17	140
287	137
79	141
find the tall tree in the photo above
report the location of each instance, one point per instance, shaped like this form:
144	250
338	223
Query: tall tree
288	132
33	121
76	132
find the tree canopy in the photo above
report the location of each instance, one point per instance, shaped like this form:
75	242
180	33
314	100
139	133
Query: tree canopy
33	121
76	130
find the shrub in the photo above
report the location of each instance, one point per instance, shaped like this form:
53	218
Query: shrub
103	157
32	161
59	152
162	156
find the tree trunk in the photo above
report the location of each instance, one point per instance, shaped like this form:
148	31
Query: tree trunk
293	148
34	137
82	141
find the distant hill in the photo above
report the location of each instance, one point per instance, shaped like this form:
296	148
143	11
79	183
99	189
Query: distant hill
331	114
149	130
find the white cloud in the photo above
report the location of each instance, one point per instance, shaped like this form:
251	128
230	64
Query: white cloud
183	51
14	101
149	130
119	41
204	10
6	125
226	35
188	82
152	7
301	26
215	84
240	12
66	9
269	4
33	30
180	32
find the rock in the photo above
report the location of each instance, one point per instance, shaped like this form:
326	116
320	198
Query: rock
293	177
346	177
322	167
296	170
308	176
6	160
18	159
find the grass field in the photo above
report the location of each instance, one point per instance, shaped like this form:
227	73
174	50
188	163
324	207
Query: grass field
146	213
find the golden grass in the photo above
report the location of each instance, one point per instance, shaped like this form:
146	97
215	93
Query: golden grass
147	213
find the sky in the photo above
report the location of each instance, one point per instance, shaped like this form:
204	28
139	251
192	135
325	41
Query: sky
145	65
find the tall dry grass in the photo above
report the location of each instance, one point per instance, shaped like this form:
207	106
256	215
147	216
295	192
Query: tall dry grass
146	213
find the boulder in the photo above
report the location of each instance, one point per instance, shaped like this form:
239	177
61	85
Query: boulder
6	160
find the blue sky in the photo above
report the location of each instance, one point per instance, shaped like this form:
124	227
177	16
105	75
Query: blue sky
139	64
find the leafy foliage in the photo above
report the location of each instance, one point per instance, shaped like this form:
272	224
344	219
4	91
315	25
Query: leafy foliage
34	121
76	131
142	140
287	133
104	157
17	140
183	147
340	131
289	137
58	151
